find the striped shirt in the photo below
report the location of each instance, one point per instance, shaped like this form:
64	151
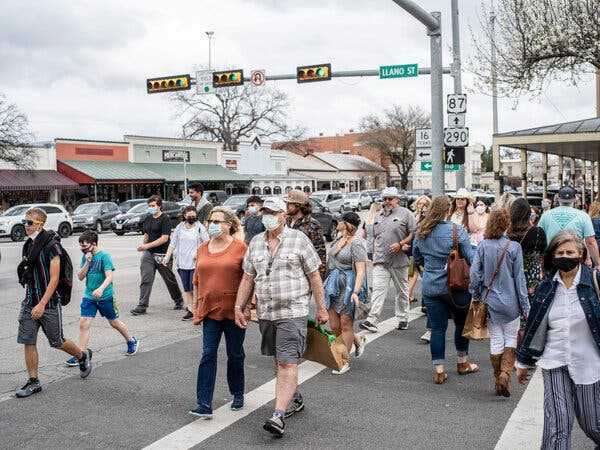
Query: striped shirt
281	280
41	275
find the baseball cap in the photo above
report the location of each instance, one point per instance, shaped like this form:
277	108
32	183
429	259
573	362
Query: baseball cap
567	193
390	192
274	204
352	218
296	196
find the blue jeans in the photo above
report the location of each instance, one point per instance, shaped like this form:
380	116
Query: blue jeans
439	310
207	370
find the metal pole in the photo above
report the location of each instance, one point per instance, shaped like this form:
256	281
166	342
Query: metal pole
210	35
545	172
561	171
524	172
438	185
494	74
457	75
185	186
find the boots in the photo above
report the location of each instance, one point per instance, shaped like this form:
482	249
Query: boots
506	368
496	363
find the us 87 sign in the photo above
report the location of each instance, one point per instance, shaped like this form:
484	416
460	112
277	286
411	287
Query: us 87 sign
456	137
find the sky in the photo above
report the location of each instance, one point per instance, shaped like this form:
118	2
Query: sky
78	69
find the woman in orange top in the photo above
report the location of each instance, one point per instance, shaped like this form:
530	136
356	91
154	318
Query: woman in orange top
216	281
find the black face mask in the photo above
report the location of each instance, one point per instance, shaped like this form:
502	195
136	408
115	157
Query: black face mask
565	264
86	250
191	220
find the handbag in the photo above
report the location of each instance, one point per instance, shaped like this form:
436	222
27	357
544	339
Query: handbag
476	322
324	347
458	268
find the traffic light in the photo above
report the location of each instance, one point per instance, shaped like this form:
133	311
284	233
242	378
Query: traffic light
169	84
228	78
320	72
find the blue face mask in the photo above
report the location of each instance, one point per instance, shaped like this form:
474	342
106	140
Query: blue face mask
214	229
152	210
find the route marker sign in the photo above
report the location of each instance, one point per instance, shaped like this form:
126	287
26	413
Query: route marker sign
423	138
398	71
456	104
257	77
456	137
204	82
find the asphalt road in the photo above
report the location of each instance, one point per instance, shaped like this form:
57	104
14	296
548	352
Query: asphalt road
386	400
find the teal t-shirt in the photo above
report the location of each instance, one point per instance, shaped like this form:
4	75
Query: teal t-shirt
566	218
101	263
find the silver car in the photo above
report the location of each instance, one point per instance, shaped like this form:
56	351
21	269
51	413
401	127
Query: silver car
355	201
332	200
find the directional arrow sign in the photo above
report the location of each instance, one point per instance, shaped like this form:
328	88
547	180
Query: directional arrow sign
456	120
426	167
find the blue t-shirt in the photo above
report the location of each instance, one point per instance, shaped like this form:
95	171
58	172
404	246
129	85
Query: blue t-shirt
566	218
101	263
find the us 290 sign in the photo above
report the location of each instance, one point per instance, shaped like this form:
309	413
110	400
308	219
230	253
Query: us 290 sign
456	137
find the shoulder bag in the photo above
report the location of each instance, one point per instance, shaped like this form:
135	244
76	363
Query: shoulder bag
458	268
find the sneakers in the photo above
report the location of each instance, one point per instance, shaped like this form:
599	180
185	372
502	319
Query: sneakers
426	338
402	325
237	403
188	315
360	348
138	310
275	425
203	412
178	306
33	386
296	405
132	346
342	371
366	325
85	364
72	362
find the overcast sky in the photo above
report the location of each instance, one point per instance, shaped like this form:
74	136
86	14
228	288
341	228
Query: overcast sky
78	68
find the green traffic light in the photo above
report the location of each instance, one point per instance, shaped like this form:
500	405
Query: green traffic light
206	89
320	72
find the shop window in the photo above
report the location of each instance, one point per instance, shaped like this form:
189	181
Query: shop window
277	190
288	189
256	191
231	164
147	154
307	189
298	188
267	190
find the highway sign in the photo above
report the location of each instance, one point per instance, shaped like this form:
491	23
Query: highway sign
455	155
456	120
423	154
423	138
257	77
456	137
399	71
204	82
456	104
426	167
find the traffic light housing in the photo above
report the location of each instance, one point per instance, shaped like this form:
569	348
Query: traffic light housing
228	78
307	74
169	84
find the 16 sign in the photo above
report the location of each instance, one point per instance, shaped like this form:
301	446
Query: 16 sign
456	104
423	138
456	137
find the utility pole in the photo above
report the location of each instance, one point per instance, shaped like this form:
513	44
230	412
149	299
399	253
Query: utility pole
457	75
495	148
210	35
433	23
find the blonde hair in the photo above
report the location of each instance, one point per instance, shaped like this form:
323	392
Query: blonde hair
38	213
373	211
437	214
230	218
595	209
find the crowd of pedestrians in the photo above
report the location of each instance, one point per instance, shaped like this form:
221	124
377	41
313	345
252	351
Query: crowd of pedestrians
535	275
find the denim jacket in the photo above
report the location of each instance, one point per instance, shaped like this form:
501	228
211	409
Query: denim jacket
534	340
433	251
337	278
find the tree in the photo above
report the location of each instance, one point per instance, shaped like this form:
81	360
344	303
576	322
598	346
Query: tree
234	113
536	42
15	136
394	135
487	160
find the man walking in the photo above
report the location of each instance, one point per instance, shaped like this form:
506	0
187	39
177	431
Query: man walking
299	217
393	231
567	217
202	205
282	268
40	273
253	220
157	232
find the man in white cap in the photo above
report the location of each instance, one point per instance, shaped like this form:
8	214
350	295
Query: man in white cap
282	268
393	231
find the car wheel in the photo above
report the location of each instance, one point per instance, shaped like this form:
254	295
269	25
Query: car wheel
99	227
18	233
120	233
64	230
332	230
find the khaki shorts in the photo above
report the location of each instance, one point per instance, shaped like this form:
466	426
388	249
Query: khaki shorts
285	339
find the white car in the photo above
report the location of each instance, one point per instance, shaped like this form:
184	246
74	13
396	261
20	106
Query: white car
11	222
355	201
332	200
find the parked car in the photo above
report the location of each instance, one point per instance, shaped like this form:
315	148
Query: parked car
355	201
334	200
374	193
133	220
128	204
237	203
96	216
58	220
327	220
215	197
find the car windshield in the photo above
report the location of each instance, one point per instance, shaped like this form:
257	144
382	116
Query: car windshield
15	211
236	200
87	209
320	197
142	207
353	195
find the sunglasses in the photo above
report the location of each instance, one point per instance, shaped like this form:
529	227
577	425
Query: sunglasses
30	223
389	199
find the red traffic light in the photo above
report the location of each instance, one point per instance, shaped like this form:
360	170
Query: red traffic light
228	78
320	72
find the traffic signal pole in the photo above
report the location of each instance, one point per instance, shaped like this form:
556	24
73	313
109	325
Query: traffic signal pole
456	74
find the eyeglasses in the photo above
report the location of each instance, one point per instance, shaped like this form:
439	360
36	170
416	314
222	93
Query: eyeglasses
388	199
217	222
30	223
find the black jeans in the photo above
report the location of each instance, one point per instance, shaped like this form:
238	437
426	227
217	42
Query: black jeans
148	268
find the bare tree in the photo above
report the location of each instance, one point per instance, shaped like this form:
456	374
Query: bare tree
394	135
234	113
15	136
537	41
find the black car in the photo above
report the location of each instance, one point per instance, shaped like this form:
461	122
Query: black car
133	220
327	220
94	216
128	204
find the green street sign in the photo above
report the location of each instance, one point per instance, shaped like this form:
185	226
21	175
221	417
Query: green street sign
426	167
399	71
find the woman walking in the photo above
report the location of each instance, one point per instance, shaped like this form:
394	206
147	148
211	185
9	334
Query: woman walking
563	336
217	279
368	227
185	241
478	222
436	238
595	216
346	283
497	279
462	208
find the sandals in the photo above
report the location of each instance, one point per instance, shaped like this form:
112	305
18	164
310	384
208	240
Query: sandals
467	368
440	377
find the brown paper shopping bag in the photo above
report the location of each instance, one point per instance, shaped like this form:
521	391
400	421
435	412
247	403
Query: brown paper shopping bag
324	347
476	323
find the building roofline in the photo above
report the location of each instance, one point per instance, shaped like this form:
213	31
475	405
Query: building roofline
90	141
164	138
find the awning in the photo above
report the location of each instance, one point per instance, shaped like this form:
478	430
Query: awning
174	172
108	172
34	180
326	176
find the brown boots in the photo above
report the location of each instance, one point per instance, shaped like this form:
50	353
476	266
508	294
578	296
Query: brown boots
507	365
496	364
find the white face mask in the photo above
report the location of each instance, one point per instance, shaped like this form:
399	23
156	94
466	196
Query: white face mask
270	222
252	209
480	210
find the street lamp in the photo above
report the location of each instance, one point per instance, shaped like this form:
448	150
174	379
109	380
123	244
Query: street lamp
210	35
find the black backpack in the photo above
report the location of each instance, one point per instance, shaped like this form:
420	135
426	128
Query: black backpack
32	252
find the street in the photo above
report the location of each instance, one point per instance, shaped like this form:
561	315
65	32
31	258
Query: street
386	400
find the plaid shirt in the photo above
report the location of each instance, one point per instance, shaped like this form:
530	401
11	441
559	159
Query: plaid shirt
281	281
312	228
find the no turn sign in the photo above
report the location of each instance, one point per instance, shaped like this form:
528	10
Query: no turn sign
257	77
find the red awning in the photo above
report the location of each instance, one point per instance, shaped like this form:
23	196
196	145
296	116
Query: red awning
34	180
